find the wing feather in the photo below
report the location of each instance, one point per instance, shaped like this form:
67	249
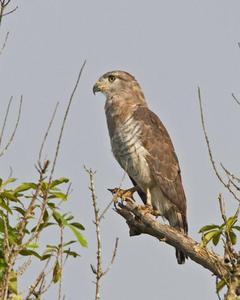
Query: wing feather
162	158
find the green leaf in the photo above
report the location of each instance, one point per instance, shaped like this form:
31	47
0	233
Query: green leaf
45	216
5	206
42	226
9	180
207	237
27	252
221	283
68	243
58	181
71	253
32	246
68	217
56	272
236	227
25	186
208	227
78	225
216	238
13	282
58	218
233	237
8	195
51	205
45	256
58	195
81	239
19	210
230	222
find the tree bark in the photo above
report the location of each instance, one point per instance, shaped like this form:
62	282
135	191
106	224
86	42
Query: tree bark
141	222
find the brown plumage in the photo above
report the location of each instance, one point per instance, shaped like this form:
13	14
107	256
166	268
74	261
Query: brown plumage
143	148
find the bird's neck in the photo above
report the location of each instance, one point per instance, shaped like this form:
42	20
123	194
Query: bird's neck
119	110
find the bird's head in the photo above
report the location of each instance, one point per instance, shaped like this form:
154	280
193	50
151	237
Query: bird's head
118	83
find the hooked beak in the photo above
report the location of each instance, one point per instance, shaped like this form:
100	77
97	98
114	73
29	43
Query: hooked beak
96	88
99	86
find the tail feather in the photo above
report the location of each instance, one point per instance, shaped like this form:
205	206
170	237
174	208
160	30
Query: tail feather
178	221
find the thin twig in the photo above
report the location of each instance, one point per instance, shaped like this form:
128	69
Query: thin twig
10	12
64	120
45	199
113	257
5	120
222	208
98	271
4	43
15	129
110	203
231	177
226	185
236	99
47	132
61	263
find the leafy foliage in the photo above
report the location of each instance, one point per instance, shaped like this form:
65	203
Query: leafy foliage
25	212
226	231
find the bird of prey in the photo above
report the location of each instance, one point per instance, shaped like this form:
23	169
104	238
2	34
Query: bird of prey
143	148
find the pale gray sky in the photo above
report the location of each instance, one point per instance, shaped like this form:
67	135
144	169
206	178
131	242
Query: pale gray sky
171	47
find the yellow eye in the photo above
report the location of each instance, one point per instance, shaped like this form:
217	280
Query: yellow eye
111	78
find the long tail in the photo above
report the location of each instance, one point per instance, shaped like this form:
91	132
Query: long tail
178	221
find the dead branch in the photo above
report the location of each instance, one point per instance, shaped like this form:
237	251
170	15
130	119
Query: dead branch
140	223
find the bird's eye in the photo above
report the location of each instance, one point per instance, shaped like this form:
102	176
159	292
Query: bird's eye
111	78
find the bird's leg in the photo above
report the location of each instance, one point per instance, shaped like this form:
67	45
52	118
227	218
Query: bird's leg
147	208
149	198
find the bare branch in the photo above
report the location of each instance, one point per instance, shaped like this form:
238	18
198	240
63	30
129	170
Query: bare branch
226	185
139	223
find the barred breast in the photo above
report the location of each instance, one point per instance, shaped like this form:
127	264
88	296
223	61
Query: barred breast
130	153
